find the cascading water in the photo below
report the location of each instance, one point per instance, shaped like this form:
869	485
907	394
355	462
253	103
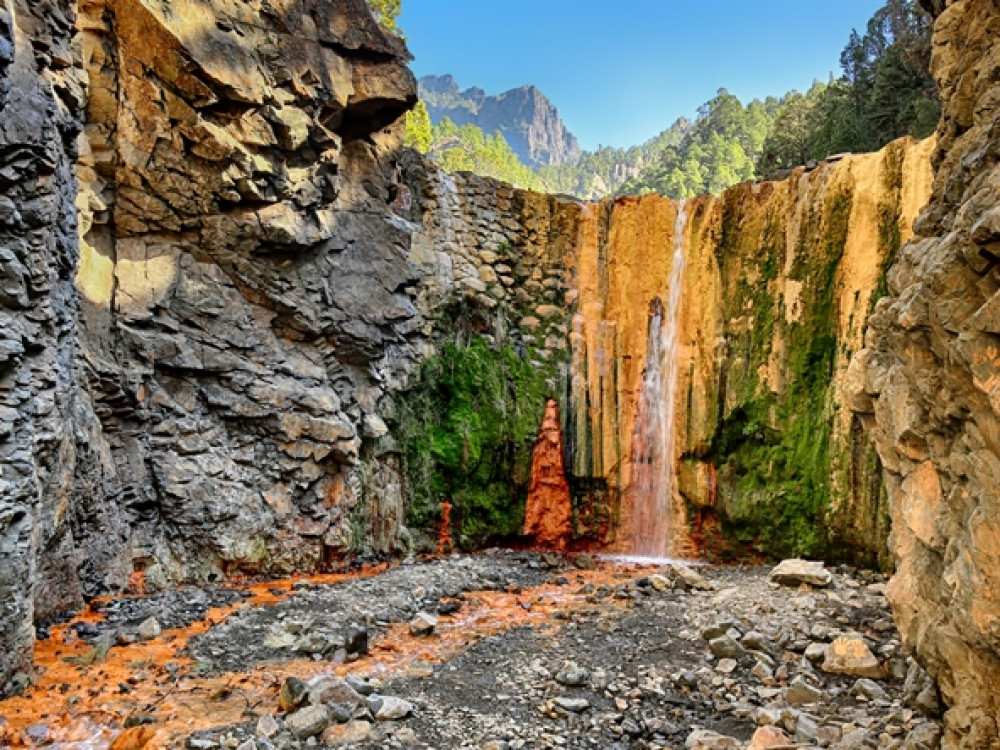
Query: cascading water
651	526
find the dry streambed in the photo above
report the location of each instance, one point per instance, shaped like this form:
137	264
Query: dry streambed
498	651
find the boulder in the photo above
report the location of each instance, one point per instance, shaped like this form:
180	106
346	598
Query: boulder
308	722
795	572
850	655
703	739
393	708
423	624
769	737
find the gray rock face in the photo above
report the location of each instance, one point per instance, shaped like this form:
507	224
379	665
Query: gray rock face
525	117
45	420
197	401
246	293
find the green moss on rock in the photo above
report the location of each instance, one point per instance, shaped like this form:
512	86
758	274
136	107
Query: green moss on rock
772	449
467	430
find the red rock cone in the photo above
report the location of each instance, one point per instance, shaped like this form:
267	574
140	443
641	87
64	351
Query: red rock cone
547	516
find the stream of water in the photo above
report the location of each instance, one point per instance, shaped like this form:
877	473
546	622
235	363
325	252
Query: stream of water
651	526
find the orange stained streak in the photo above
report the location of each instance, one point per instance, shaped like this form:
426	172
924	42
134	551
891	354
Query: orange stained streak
85	707
444	529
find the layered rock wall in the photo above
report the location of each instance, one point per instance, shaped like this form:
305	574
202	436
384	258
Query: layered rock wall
778	283
206	396
43	419
245	294
926	387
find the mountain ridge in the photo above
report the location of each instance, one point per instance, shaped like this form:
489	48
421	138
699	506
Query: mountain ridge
527	119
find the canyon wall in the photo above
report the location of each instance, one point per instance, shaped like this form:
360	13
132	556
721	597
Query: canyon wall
245	295
926	386
778	284
43	415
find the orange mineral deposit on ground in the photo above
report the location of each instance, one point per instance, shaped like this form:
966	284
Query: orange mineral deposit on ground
150	695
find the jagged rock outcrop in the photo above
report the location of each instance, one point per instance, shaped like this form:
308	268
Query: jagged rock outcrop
526	118
926	386
246	294
44	421
206	397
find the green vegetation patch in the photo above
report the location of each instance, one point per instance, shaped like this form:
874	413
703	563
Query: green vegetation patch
773	450
467	430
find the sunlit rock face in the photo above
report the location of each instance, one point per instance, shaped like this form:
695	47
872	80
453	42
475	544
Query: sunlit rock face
779	280
245	292
926	387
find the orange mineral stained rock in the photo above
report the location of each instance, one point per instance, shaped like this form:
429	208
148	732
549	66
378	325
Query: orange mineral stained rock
547	517
445	544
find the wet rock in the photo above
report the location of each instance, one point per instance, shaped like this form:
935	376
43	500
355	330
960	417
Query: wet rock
795	572
293	693
548	513
356	641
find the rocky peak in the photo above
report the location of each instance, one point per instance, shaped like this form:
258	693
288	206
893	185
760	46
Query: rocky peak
525	117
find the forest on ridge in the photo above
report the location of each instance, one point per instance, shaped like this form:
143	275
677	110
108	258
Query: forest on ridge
885	91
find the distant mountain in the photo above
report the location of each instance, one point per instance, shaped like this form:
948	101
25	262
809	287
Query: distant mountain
526	118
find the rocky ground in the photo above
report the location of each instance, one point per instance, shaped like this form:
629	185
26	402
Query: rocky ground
631	657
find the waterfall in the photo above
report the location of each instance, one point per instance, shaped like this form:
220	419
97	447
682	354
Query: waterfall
651	521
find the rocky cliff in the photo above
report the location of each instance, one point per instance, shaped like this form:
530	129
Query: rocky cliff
926	387
44	420
266	337
206	399
526	118
245	294
778	284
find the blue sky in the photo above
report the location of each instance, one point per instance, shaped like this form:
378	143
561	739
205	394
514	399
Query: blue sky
620	72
